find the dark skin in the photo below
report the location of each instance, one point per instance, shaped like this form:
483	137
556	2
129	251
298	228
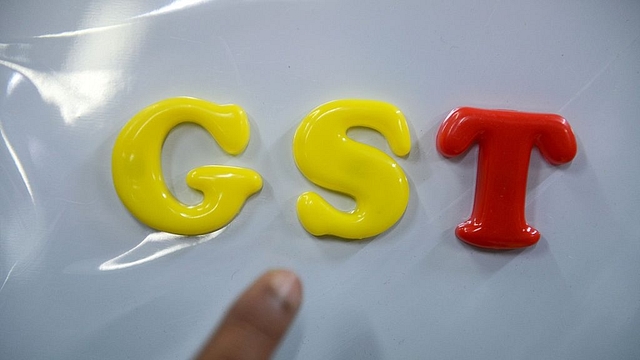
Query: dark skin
258	320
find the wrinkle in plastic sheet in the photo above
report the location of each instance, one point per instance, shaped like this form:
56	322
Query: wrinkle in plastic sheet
92	73
154	246
71	254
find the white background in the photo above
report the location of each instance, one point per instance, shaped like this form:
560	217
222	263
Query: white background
73	72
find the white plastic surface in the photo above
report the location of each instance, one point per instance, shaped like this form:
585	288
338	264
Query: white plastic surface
81	278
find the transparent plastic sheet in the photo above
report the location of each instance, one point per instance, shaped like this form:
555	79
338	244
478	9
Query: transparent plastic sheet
81	278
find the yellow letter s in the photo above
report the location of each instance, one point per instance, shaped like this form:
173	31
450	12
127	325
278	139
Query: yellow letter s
330	159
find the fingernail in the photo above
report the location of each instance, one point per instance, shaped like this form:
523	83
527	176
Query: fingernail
285	285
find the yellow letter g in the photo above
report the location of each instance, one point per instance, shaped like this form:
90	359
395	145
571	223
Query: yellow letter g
137	167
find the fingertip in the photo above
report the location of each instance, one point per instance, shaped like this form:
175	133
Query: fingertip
258	320
286	288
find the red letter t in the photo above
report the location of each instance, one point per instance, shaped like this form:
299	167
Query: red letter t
505	139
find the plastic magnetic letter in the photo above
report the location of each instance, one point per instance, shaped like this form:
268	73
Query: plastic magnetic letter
505	139
329	158
137	167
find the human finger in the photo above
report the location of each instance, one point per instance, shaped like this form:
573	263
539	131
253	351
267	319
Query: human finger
255	324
